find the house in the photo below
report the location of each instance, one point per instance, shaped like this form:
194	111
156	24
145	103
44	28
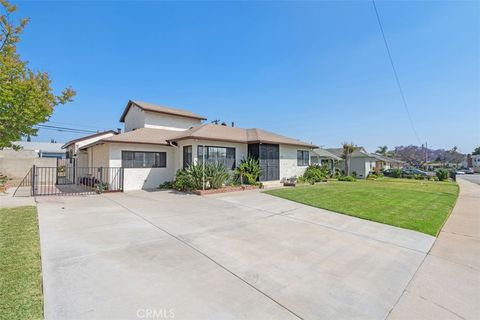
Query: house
363	162
77	157
323	157
159	140
476	163
43	149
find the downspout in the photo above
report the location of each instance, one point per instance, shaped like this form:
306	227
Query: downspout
170	143
203	169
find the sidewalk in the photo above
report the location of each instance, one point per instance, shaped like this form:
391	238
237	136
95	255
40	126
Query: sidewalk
8	201
447	284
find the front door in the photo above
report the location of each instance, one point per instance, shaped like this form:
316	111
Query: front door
270	162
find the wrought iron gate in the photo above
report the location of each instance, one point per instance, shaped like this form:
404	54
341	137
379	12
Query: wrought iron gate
71	180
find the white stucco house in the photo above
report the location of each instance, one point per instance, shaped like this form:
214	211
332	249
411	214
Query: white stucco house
74	153
362	162
476	163
160	140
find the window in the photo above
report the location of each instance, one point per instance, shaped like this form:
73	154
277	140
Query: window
214	155
302	158
187	156
140	159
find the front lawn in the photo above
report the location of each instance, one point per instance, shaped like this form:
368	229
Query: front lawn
411	204
20	269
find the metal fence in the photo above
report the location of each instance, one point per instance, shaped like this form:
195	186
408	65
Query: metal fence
72	180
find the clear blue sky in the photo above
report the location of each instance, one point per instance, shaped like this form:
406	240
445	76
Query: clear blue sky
316	71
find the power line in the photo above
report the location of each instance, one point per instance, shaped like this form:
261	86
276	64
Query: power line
395	73
77	125
64	129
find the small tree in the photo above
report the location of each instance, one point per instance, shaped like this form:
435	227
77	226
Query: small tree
476	151
26	96
382	150
348	149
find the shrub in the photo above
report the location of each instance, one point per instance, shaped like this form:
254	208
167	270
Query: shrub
419	177
315	173
167	185
248	171
347	178
396	173
196	173
336	173
194	177
183	180
354	174
442	174
372	176
216	175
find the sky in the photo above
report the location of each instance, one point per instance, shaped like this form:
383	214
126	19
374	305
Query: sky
312	70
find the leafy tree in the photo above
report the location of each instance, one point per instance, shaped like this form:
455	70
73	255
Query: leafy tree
382	150
476	151
26	96
348	149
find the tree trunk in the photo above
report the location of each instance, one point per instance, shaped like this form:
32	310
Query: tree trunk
347	165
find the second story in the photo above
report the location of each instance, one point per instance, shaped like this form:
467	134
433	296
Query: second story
139	114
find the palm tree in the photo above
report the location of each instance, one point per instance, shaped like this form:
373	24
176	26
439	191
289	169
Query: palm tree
348	149
382	150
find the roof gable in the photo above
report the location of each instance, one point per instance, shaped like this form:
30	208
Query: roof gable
159	109
98	134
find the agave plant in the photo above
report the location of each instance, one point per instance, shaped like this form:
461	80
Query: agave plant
196	174
248	170
217	175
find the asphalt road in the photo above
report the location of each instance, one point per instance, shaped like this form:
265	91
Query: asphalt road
475	178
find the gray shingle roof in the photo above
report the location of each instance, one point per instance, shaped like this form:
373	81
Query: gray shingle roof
206	132
160	109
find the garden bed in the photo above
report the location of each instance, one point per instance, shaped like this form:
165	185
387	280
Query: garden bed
225	189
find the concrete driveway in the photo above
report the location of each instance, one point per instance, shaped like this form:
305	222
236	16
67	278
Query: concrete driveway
246	255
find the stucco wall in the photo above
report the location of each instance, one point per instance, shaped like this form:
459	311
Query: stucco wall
165	121
138	118
134	119
362	166
98	155
288	162
16	164
143	178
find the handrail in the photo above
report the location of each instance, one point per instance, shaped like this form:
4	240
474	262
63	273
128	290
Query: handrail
26	182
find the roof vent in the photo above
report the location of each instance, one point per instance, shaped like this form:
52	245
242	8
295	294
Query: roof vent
224	124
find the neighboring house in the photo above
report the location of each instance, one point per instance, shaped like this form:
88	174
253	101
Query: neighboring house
323	157
77	157
43	149
476	163
467	162
362	162
159	140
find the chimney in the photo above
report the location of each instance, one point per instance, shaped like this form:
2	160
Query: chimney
119	130
233	124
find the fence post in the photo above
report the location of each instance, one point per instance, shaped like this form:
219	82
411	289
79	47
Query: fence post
33	180
122	174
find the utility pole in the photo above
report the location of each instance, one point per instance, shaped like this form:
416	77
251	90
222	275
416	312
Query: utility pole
426	152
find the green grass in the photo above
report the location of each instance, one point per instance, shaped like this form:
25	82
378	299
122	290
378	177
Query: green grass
20	268
412	204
